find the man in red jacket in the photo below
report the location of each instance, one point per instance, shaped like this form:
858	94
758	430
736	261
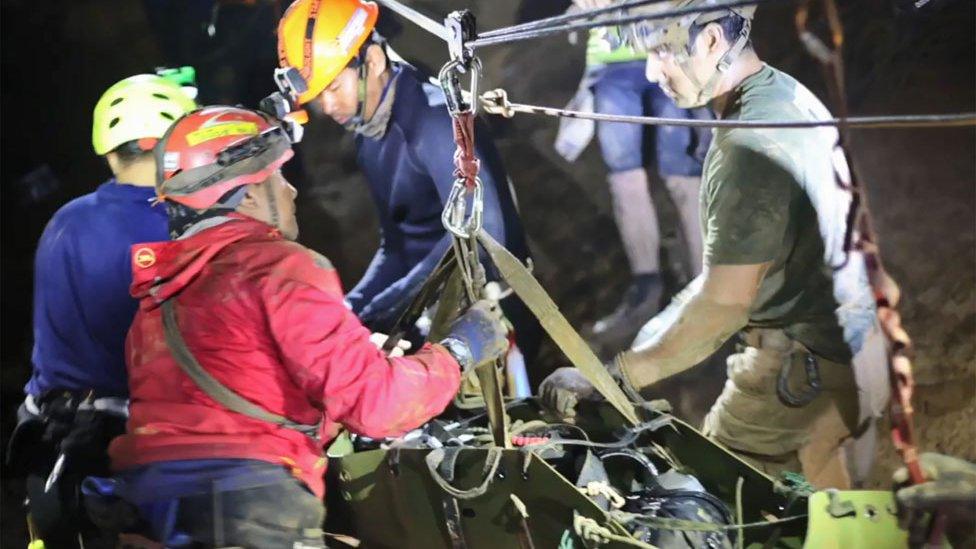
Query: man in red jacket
243	358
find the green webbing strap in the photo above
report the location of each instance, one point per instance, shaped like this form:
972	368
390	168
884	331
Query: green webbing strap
556	325
214	388
491	392
447	307
425	296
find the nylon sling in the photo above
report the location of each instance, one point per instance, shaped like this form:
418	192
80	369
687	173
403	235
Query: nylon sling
212	386
562	333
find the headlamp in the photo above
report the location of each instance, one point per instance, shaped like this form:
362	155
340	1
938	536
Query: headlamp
282	104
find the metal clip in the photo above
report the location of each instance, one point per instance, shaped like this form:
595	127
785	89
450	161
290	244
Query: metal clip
454	216
458	99
806	396
462	28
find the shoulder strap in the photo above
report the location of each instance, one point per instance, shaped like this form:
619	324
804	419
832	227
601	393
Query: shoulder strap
214	388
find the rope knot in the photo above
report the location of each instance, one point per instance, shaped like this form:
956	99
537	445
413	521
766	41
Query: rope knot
496	102
602	488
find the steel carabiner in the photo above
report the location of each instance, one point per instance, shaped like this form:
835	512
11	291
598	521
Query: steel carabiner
455	218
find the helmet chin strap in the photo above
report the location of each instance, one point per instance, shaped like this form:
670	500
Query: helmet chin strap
272	205
359	119
706	91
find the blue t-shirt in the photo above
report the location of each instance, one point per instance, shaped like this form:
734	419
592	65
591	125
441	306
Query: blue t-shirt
82	273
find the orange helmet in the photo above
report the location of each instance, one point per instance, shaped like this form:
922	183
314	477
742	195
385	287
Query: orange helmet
321	37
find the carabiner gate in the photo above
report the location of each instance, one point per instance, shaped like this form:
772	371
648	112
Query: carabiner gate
454	215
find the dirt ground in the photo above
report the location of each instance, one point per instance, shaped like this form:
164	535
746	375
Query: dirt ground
921	185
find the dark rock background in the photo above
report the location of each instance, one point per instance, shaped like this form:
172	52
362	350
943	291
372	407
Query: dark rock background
58	57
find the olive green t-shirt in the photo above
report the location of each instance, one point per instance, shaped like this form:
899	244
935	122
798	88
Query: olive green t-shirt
773	195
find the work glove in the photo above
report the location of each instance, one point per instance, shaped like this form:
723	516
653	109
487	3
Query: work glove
477	336
950	490
563	389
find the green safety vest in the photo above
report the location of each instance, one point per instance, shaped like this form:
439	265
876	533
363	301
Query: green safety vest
599	51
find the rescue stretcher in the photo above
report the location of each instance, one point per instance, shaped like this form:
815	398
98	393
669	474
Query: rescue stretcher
547	493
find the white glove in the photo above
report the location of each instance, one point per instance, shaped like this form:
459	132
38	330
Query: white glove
379	339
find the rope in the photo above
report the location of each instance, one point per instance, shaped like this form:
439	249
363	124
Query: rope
739	540
496	102
575	15
519	426
696	526
501	37
417	18
492	460
590	530
599	488
632	435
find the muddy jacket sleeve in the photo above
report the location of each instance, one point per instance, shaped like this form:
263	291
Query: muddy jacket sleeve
326	350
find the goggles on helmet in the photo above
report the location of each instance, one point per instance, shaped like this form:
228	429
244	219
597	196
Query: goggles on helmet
252	147
216	149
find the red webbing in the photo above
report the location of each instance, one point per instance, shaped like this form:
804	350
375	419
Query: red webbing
466	164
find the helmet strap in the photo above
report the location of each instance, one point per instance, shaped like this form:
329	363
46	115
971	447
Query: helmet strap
359	119
272	204
361	91
184	220
706	90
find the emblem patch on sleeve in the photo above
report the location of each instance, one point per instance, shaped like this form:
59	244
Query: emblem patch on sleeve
144	258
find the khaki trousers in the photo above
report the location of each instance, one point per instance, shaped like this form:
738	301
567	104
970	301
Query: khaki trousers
752	420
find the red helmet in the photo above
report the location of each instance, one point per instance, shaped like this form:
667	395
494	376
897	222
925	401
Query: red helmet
213	150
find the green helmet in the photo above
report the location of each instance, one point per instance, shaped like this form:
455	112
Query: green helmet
138	107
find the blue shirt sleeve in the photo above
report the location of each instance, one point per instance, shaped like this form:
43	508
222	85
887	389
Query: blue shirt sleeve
433	148
381	268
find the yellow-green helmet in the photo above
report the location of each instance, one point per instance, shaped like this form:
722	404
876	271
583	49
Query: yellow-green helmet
138	107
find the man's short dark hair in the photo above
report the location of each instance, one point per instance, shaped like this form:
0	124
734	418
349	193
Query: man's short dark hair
731	26
130	152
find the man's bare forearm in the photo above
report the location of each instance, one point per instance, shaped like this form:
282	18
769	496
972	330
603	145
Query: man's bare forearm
685	337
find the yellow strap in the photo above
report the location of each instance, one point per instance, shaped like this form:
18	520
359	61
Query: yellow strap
570	343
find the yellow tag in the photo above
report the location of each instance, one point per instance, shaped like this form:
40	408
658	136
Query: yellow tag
221	130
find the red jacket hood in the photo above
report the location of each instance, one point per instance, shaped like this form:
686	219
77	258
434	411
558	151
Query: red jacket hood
161	269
